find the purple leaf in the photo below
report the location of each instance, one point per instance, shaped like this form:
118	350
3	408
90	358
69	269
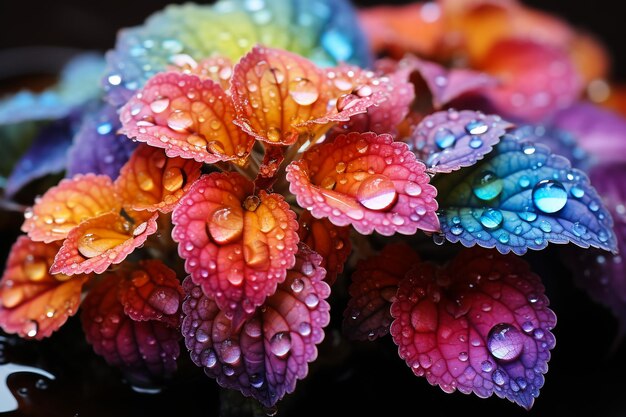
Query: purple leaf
373	289
266	355
599	131
450	140
601	274
46	155
447	85
97	147
481	325
522	197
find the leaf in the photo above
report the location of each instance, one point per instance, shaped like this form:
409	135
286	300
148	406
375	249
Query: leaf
274	91
151	291
450	140
188	117
267	355
536	79
99	242
68	204
600	132
151	181
446	85
97	147
324	30
34	303
332	243
396	95
144	350
16	139
481	325
373	289
77	86
237	246
522	197
368	181
597	272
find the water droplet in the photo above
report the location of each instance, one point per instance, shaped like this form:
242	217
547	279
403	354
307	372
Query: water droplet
363	91
577	192
98	240
545	226
251	203
280	344
487	186
456	229
35	269
413	189
230	352
527	215
476	127
159	106
226	225
528	148
104	128
498	377
201	336
41	384
524	181
274	134
594	206
463	356
114	79
444	138
31	328
328	183
173	179
486	366
303	91
179	121
297	285
504	238
475	142
377	192
256	380
549	196
304	328
197	141
439	239
311	300
505	342
491	218
253	328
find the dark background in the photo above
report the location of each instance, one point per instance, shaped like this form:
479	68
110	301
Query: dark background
586	377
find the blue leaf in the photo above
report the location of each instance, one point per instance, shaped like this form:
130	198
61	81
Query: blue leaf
97	147
522	197
47	155
325	31
78	84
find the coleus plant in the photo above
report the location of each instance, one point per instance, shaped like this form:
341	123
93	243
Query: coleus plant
222	178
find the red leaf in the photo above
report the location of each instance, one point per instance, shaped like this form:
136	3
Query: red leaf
188	117
143	349
368	181
35	303
481	325
373	289
236	245
65	206
151	181
100	242
152	292
330	241
267	355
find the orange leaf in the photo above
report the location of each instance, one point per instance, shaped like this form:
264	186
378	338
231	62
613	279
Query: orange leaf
151	181
65	206
35	303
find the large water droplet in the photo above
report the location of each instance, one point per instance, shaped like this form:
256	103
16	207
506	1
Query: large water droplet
230	352
159	106
444	138
98	240
476	127
173	179
35	269
180	121
226	225
491	218
487	186
549	196
377	192
413	189
505	342
303	91
280	344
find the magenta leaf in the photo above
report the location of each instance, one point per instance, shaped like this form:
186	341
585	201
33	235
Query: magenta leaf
267	355
373	289
450	140
145	350
522	197
480	325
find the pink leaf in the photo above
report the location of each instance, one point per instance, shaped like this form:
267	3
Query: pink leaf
481	325
368	181
267	355
237	246
373	289
188	117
